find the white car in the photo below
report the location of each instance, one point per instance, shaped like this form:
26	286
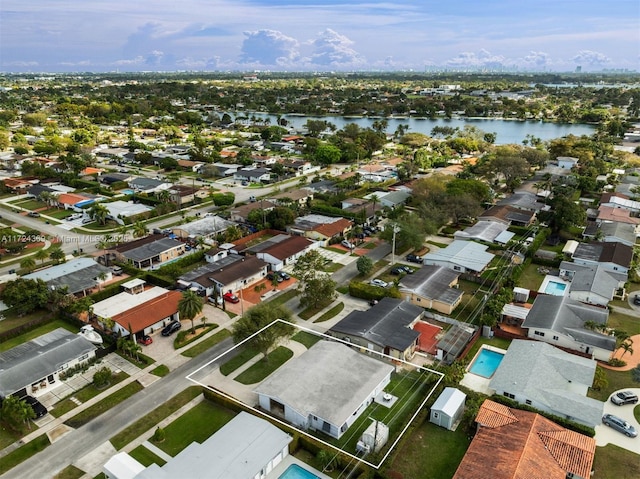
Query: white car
379	283
346	244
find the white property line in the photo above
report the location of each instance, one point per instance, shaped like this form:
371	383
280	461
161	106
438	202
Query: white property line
273	418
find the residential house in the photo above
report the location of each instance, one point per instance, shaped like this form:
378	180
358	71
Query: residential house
111	152
189	165
432	287
612	232
255	175
148	185
608	214
20	185
461	256
320	227
364	210
617	200
508	215
326	388
448	409
111	178
560	321
73	201
549	379
150	251
524	200
567	162
247	447
300	167
36	190
240	214
543	448
120	210
390	199
231	273
486	231
33	368
282	250
81	276
323	186
592	284
207	227
300	196
214	254
185	195
612	256
385	328
139	309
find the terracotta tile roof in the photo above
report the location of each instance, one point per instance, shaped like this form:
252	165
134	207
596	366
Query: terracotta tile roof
515	444
331	229
289	247
150	312
70	198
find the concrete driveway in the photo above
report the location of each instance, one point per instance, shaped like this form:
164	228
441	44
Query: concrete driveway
606	435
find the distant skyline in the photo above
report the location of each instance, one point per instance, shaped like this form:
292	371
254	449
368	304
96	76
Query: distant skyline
318	35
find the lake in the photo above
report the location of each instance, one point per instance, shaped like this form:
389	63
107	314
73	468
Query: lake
507	131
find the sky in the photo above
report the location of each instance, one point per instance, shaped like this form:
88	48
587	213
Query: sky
318	35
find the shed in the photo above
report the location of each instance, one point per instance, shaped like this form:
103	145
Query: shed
448	408
570	247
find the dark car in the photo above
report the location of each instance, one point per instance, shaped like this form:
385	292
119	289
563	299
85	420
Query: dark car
624	397
277	277
636	300
146	340
619	425
398	270
284	275
414	258
36	405
171	328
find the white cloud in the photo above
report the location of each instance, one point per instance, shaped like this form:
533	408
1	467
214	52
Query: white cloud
589	57
536	59
269	47
483	58
334	49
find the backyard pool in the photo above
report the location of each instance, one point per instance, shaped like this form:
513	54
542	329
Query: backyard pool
296	472
127	192
555	289
486	362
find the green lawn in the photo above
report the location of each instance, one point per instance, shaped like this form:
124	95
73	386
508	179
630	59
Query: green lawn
39	331
12	320
70	472
619	320
57	213
613	462
83	395
308	339
197	424
335	250
160	371
431	452
530	278
145	423
617	380
202	346
282	298
30	204
332	267
201	329
234	363
263	368
145	457
23	453
326	316
104	405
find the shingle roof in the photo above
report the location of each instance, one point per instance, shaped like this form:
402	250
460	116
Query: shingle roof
386	324
594	279
152	249
467	254
226	270
432	282
77	275
521	444
287	248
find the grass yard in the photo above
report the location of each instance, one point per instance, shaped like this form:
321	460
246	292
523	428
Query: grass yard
57	213
160	371
308	339
39	331
326	316
282	298
335	250
23	453
184	339
12	320
70	472
332	267
8	437
30	204
469	302
530	278
202	346
197	424
145	423
145	457
263	368
617	380
619	320
431	452
234	363
83	395
613	462
105	405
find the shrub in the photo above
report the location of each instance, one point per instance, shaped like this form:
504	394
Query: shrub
617	363
159	436
102	377
366	291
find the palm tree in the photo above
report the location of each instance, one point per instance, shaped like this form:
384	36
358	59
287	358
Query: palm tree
100	279
626	347
28	263
99	213
189	306
41	255
56	254
139	229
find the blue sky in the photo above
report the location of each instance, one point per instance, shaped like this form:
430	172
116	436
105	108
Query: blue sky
325	35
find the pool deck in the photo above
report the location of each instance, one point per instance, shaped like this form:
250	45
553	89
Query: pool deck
287	461
555	279
478	383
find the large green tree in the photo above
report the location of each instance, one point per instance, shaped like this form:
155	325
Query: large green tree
189	306
316	287
261	316
15	413
26	295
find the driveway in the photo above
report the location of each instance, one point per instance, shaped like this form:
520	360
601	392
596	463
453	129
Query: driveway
606	435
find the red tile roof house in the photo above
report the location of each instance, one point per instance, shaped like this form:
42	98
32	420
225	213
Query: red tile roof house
510	443
320	228
69	200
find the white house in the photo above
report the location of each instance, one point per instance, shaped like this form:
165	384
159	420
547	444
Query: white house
325	389
448	408
592	284
285	252
567	162
461	256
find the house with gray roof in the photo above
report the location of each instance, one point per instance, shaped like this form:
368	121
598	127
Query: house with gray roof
34	367
148	185
325	389
150	251
79	276
612	256
120	210
207	227
549	379
432	287
244	448
524	200
560	321
591	284
385	328
485	231
612	232
461	256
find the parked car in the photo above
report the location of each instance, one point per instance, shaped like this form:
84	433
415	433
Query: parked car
277	277
397	270
232	298
36	405
624	397
284	275
414	258
171	328
373	302
346	244
215	300
636	300
407	269
619	425
379	283
87	221
146	340
33	214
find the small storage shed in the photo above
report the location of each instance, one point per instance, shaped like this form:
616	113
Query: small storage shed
448	408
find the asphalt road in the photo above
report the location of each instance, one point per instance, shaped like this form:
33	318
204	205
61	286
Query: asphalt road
346	273
82	441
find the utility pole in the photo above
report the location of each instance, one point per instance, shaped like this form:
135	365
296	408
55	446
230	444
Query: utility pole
396	229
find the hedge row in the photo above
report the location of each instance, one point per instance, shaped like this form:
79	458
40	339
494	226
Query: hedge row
366	291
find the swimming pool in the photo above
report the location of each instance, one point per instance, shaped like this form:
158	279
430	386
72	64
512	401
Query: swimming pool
127	191
296	472
554	288
486	363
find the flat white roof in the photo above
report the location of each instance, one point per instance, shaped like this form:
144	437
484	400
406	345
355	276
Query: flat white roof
126	209
133	283
121	302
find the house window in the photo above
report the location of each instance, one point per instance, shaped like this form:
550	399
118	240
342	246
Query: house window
528	402
555	338
538	333
457	268
83	357
509	395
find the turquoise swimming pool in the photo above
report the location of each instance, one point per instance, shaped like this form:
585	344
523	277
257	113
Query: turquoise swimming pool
486	363
296	472
555	289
